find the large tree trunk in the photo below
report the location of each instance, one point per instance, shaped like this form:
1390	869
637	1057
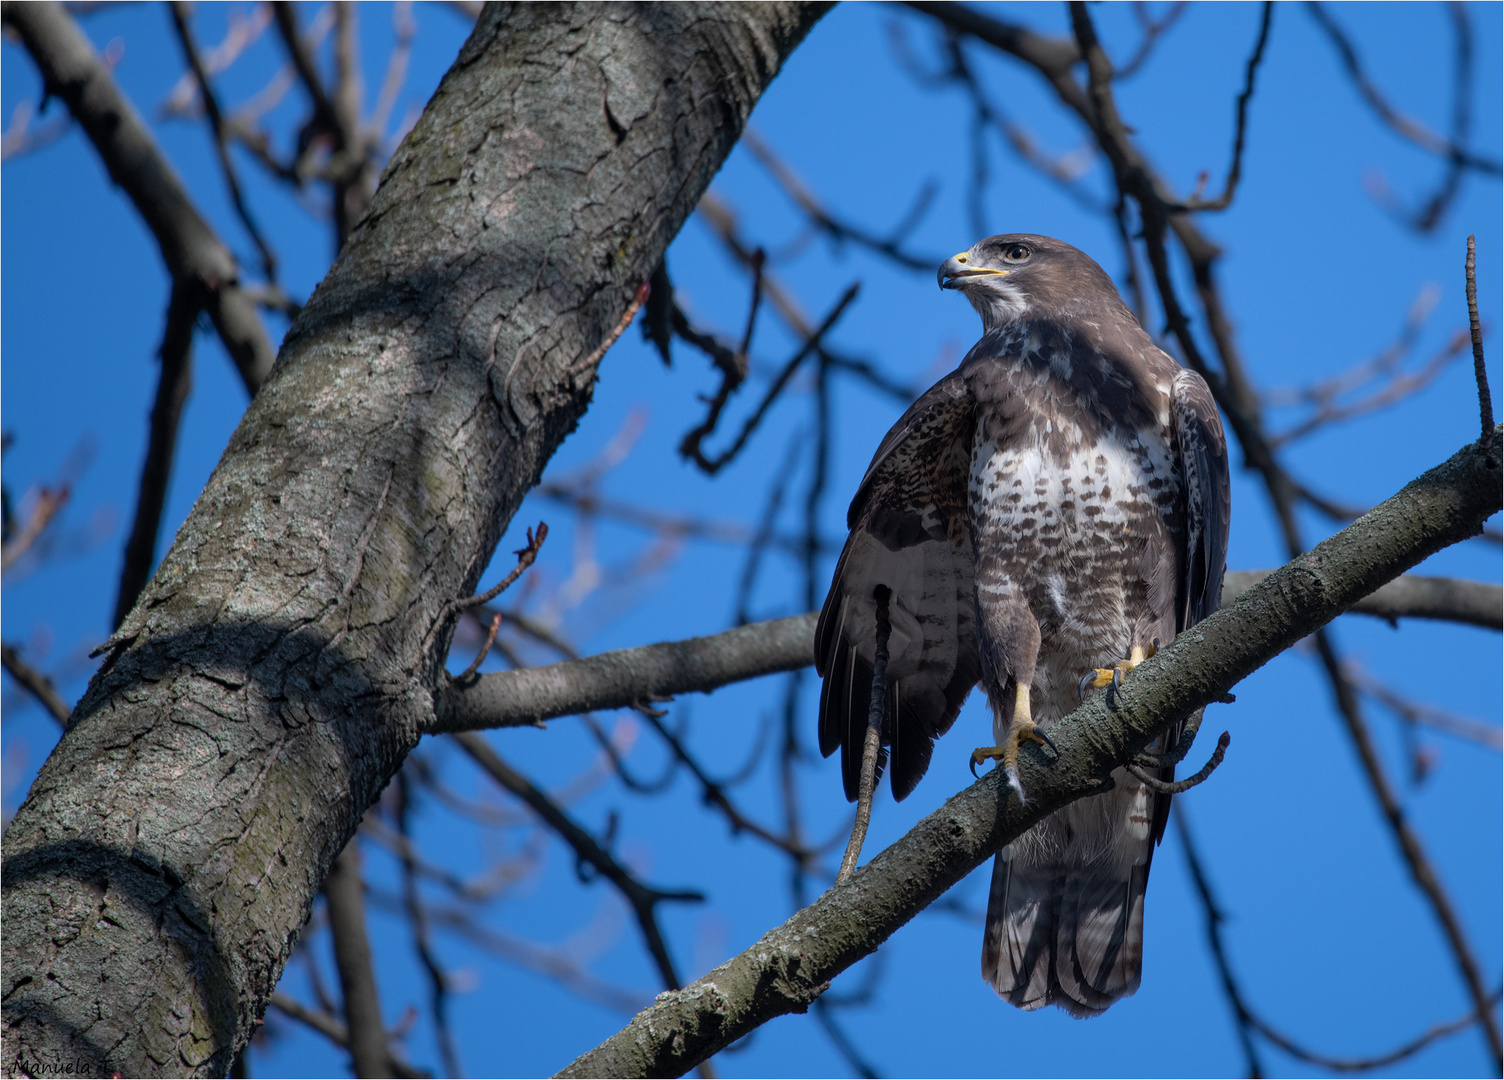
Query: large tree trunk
283	660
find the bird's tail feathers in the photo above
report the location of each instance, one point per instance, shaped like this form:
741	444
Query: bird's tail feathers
1068	936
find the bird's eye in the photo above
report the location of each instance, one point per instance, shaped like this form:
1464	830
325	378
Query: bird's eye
1016	253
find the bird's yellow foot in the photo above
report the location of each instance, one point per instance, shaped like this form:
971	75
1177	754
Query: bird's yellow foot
1021	729
1097	678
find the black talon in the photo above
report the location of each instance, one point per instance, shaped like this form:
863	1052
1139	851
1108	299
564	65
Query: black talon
974	772
1047	741
1085	680
1117	678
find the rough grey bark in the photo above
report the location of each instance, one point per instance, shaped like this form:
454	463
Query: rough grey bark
625	677
282	661
1414	596
792	964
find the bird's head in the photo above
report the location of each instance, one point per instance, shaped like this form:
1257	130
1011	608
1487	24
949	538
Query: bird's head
1009	277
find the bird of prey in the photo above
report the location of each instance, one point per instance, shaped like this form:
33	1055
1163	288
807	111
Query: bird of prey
1045	517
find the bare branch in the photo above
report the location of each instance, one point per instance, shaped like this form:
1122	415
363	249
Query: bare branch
193	253
525	557
405	30
1153	29
555	964
1413	596
49	502
1418	713
417	921
1402	125
1480	371
1214	920
890	246
365	1033
1235	170
690	447
1378	1061
173	385
1249	1022
643	898
1153	783
330	1027
621	679
1398	387
21	138
485	648
221	132
36	682
1405	837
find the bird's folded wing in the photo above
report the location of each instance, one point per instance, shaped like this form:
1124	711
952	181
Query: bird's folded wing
908	532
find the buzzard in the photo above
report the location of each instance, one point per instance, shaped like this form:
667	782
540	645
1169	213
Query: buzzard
1045	517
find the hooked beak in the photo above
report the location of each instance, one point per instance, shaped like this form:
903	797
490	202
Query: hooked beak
955	270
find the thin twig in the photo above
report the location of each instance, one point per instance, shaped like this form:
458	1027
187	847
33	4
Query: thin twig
1480	372
1153	783
1414	854
417	920
49	502
1235	171
1214	920
638	298
793	187
327	1025
643	898
1378	1061
1402	125
525	557
483	651
713	793
764	536
217	125
872	741
1152	28
37	683
690	447
1413	712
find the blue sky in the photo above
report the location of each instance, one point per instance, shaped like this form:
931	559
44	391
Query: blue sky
1333	943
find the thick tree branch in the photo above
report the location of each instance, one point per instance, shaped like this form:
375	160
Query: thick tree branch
626	677
193	252
791	965
1414	596
282	662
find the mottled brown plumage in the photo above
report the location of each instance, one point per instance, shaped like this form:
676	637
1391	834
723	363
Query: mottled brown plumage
1056	502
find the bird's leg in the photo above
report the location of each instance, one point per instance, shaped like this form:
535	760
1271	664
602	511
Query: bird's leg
1097	678
1021	729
